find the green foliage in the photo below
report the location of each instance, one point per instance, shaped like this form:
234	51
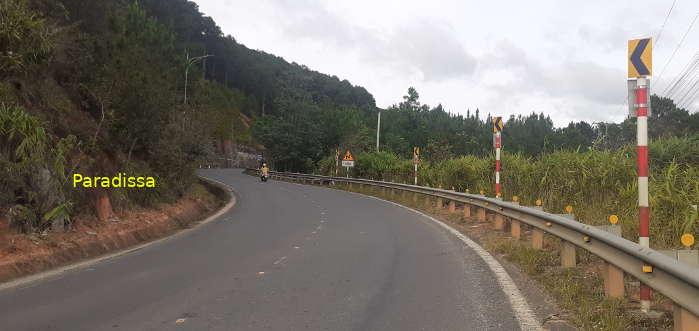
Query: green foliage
596	183
28	168
24	38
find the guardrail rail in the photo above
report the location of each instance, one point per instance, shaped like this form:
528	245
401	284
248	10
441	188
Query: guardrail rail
675	280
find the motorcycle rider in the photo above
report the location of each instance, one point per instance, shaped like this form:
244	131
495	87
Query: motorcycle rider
264	172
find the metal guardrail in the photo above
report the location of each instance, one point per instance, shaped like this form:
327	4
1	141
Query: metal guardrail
675	280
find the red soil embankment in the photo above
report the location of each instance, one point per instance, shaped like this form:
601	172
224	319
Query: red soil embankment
22	254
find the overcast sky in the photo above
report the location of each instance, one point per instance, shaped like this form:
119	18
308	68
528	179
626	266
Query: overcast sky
564	58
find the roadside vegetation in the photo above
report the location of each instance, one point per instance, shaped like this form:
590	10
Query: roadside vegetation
97	88
597	183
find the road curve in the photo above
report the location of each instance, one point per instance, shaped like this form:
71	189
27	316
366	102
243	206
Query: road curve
287	257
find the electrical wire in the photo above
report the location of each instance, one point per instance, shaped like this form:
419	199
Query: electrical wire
680	76
678	45
662	27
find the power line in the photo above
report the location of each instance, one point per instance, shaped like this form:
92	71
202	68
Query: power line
691	90
684	80
692	99
678	45
662	27
682	74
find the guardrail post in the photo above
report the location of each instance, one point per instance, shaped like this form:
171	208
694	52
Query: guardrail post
613	280
467	210
537	238
439	203
452	207
515	229
613	276
567	254
481	214
684	320
499	222
414	197
428	201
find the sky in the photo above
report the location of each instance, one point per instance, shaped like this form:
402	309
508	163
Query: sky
563	58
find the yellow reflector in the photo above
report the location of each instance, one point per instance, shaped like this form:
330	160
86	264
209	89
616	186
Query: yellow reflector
647	269
687	239
613	219
569	209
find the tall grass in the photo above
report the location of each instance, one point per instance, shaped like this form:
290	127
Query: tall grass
596	183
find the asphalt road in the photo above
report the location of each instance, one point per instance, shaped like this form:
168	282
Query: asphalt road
287	257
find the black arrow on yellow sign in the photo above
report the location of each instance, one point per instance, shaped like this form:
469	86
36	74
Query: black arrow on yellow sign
498	124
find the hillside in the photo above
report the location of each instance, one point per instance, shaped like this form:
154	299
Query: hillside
97	88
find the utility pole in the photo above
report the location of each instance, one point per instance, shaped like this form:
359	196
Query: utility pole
190	61
378	127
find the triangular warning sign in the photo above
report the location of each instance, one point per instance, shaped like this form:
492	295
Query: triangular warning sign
348	157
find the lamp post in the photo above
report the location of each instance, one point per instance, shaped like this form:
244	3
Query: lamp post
190	61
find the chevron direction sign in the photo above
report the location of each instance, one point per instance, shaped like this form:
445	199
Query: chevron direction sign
640	58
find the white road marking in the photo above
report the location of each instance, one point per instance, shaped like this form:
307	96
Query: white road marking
526	318
280	260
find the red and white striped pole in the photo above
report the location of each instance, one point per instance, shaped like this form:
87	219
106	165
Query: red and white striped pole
642	158
497	165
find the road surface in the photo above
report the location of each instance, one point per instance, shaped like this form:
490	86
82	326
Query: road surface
286	257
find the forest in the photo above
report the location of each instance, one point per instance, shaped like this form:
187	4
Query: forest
98	87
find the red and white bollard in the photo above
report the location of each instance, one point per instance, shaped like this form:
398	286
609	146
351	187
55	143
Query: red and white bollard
642	158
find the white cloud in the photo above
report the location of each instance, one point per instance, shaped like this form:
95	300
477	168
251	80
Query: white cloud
563	58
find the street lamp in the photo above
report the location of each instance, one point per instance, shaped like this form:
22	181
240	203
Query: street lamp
190	61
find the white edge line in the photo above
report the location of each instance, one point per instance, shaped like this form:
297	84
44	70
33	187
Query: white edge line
29	279
525	317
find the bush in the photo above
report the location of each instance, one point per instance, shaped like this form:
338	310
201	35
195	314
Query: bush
24	38
596	183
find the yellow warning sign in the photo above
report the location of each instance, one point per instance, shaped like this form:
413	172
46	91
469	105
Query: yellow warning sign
498	124
348	156
640	59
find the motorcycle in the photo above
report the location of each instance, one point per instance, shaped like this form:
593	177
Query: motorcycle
264	177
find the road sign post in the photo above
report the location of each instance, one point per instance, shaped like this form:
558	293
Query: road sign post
337	161
642	158
348	162
640	64
416	160
497	131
